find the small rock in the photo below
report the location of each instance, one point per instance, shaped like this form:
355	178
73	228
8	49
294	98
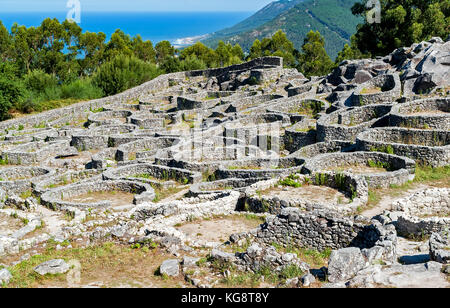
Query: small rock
5	276
170	268
293	282
222	256
190	261
307	280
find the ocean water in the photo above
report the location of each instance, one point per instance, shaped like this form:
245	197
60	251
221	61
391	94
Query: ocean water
154	26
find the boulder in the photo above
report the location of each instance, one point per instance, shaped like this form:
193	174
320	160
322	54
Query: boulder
345	263
440	247
219	255
57	266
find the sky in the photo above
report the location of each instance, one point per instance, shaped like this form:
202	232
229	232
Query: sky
134	5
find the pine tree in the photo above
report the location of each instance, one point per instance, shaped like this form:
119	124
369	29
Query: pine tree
314	60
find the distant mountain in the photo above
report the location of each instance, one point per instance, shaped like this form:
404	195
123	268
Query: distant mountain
266	14
332	18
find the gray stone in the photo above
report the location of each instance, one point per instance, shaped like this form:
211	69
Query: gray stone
222	256
5	276
307	280
345	263
362	76
170	268
190	261
57	266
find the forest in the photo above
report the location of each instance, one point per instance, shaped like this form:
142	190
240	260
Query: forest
57	64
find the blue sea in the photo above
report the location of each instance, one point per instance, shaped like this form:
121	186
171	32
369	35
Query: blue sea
154	26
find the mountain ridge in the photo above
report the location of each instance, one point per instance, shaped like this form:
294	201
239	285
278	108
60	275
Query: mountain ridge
332	18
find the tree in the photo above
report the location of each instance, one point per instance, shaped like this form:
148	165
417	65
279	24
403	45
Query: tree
171	65
223	54
92	47
202	52
119	44
22	52
314	60
5	43
12	90
164	50
350	52
192	63
53	38
143	50
403	22
255	50
278	45
238	52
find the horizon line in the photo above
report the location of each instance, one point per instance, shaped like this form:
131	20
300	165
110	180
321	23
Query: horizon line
125	11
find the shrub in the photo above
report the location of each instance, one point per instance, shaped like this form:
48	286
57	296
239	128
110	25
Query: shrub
38	81
192	63
81	89
123	72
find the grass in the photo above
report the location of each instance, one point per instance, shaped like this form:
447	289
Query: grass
291	181
308	107
244	168
315	258
26	194
48	105
254	279
371	90
106	262
163	193
426	175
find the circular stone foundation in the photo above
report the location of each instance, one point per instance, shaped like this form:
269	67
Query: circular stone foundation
430	147
347	124
343	193
18	180
433	113
381	89
379	169
99	194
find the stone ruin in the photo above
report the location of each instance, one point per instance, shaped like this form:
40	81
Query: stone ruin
254	137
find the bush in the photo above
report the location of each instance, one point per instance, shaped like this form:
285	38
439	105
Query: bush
122	73
38	81
81	89
192	63
171	65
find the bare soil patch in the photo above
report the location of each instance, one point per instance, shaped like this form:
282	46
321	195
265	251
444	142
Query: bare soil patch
219	229
9	223
117	198
319	194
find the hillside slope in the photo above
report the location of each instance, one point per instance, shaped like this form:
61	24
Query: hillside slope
332	18
266	14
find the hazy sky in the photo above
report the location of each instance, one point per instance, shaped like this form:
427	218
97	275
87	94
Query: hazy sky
135	5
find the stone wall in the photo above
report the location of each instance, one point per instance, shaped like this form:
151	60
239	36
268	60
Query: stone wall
429	113
320	230
425	146
399	170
